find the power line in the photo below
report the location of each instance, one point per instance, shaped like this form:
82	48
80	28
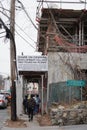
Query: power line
27	14
5	14
5	9
2	32
18	33
2	36
20	29
9	34
25	32
25	40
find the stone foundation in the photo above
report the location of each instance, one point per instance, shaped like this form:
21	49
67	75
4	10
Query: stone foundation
71	115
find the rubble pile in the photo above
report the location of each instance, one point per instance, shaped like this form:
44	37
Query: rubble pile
69	114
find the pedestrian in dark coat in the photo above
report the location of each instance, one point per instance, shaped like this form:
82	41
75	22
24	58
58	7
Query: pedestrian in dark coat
31	106
38	101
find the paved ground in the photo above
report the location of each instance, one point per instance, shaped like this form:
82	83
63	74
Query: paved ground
76	127
31	123
34	125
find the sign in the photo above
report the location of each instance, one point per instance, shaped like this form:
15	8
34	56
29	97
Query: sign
32	63
76	83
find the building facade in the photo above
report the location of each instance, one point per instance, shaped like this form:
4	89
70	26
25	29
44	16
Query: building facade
62	37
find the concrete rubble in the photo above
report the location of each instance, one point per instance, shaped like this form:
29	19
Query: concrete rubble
69	115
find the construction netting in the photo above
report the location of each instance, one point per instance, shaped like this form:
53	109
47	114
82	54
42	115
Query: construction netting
70	47
61	93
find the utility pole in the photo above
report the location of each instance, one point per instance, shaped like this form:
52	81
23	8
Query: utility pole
13	62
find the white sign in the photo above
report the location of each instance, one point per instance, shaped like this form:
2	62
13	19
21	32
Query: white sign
32	63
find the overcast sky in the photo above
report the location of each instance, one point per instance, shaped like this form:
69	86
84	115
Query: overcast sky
25	32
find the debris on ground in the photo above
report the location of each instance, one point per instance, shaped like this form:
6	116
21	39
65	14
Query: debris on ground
44	120
15	124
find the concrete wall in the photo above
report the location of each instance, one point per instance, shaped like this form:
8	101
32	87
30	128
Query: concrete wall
60	65
61	68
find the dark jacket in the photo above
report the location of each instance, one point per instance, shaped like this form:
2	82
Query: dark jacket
25	102
31	103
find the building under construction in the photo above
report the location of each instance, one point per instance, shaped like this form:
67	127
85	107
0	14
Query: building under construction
62	36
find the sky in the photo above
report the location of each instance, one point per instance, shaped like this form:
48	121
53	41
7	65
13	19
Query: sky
25	32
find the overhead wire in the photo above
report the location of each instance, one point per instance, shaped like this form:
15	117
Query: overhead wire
2	36
24	32
2	32
20	29
5	14
18	26
29	19
27	14
4	10
25	40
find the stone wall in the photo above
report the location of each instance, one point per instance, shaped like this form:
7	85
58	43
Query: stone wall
70	115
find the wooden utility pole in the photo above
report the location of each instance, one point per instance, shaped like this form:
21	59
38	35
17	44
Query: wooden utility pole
13	62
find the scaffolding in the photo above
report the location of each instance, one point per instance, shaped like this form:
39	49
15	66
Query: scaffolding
64	30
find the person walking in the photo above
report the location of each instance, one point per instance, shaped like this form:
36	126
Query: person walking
38	101
31	106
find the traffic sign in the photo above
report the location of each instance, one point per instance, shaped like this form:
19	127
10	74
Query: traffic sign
76	83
